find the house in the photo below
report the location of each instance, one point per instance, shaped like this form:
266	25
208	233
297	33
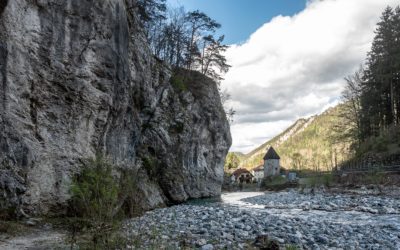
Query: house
243	174
258	173
271	163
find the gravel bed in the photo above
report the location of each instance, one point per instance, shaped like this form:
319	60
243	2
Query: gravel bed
319	221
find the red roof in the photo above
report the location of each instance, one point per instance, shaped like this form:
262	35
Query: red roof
241	171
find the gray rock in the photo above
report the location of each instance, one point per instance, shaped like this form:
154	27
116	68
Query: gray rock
207	247
308	229
31	222
322	239
201	242
76	78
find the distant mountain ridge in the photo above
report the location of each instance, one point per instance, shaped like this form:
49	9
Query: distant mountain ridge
308	143
297	127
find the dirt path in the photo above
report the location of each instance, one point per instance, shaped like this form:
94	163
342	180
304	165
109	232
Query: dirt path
38	239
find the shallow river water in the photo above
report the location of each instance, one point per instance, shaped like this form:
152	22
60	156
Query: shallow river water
307	221
240	200
322	220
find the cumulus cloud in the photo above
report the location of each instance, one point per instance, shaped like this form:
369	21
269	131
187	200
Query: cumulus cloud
293	67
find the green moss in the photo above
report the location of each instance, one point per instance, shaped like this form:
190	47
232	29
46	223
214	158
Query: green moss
178	82
150	164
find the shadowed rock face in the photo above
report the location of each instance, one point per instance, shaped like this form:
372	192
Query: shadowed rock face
77	77
3	5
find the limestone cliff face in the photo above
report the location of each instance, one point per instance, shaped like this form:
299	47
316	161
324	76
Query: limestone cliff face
77	77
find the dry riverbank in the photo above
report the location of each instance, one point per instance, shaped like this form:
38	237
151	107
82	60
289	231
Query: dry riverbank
355	219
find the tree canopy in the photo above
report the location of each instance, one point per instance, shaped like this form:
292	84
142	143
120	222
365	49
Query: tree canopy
373	92
184	39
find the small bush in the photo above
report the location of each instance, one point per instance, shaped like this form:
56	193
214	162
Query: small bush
275	183
327	180
95	191
275	180
98	204
313	181
320	180
178	82
13	228
381	146
374	177
291	247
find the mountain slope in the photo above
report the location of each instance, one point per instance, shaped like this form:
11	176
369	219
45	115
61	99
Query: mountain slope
308	143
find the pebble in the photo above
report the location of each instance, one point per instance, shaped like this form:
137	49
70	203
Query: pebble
207	247
319	221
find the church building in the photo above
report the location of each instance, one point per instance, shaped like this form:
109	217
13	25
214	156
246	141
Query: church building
271	163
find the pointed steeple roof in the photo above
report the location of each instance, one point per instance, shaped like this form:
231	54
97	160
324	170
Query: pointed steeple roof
271	154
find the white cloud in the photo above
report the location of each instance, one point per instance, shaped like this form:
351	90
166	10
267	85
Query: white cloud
294	66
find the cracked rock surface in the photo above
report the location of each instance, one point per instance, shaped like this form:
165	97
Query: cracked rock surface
77	77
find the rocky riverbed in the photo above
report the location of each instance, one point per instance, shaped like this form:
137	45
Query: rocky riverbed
306	219
318	220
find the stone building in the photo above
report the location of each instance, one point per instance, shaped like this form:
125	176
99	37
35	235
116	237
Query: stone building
271	163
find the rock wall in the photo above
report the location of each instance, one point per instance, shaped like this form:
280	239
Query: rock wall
77	77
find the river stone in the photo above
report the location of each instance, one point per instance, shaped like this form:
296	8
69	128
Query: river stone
350	229
207	247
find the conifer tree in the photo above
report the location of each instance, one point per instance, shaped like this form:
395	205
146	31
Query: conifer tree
380	90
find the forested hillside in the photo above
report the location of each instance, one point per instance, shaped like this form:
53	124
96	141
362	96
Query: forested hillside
311	143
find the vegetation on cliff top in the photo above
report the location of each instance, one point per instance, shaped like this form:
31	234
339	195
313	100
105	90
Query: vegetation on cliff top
183	39
186	41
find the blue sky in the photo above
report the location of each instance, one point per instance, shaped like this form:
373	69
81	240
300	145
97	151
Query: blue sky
289	58
240	18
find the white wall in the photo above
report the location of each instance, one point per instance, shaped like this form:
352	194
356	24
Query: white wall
258	175
271	167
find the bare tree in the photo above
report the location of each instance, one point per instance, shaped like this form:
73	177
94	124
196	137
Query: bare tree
198	24
212	57
229	111
351	117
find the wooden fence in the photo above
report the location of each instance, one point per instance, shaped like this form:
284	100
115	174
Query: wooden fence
366	168
371	163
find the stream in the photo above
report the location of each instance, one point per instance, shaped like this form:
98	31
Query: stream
322	220
291	218
241	201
